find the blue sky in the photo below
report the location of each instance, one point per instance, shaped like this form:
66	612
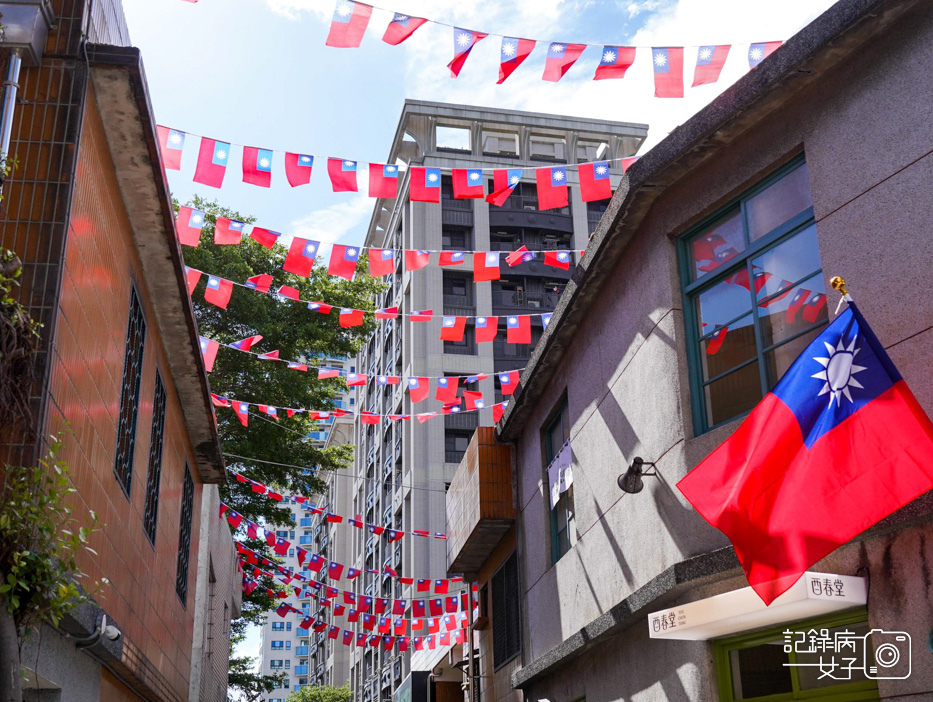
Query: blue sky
257	72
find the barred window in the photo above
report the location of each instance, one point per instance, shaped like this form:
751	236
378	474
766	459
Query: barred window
154	476
506	628
184	537
129	395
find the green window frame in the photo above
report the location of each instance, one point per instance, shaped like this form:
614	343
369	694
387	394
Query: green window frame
563	525
695	284
856	691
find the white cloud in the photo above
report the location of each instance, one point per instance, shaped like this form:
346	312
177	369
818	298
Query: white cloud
330	224
636	8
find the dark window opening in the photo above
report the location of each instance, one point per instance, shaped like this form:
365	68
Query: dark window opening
506	626
154	475
184	537
129	394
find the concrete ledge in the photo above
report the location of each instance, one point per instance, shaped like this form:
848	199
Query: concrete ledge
671	583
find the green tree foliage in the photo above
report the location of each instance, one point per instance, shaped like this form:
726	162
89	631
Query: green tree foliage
300	335
321	693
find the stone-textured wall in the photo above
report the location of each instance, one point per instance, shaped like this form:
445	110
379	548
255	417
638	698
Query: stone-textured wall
626	379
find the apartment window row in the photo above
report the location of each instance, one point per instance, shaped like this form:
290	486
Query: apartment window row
754	298
506	143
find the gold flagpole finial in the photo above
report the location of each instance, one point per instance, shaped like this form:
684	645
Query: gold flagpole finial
839	285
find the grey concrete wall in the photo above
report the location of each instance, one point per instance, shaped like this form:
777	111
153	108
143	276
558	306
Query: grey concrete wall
626	380
64	673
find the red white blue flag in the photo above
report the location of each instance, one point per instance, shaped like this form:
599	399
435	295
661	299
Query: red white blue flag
298	169
209	352
301	256
171	143
512	54
343	261
188	225
464	41
401	27
228	231
838	445
213	157
504	181
349	24
381	262
710	60
594	181
668	63
424	184
486	329
342	174
486	266
560	57
760	51
257	166
614	62
383	180
552	187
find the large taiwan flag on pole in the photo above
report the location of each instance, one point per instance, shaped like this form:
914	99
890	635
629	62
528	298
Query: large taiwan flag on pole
838	445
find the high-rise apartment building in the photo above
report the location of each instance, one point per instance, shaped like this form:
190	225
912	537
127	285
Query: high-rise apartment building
403	468
308	657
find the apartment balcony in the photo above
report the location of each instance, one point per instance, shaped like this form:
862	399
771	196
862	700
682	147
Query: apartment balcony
522	211
480	509
459	305
537	268
306	522
523	302
461	420
301	651
301	670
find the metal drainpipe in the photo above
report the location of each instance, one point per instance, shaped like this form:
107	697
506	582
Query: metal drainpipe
10	89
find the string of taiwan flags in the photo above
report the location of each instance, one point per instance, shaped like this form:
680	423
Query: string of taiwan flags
214	157
351	19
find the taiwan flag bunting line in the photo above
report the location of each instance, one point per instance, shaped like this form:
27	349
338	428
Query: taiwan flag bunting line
560	57
464	41
839	444
343	257
401	27
324	372
349	24
171	145
261	489
513	52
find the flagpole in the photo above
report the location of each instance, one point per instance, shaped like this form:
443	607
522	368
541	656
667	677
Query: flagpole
838	284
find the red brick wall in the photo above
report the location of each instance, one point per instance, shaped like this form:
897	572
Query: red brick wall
101	266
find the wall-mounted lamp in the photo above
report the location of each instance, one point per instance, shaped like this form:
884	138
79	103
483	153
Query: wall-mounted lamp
631	481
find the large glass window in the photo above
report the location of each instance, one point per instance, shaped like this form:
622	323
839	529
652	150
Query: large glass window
563	526
754	295
802	661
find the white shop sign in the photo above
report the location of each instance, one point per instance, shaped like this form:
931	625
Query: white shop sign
814	595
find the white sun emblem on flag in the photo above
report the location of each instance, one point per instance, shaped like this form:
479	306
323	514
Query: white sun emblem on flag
514	179
705	54
344	10
562	256
480	320
196	219
448	322
401	18
601	170
175	138
508	49
221	154
609	57
352	252
349	164
432	177
557	48
558	175
756	54
390	169
839	371
264	163
474	176
304	159
463	39
660	59
513	320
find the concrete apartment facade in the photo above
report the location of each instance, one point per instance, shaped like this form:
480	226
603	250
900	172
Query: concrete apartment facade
120	373
403	468
815	164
